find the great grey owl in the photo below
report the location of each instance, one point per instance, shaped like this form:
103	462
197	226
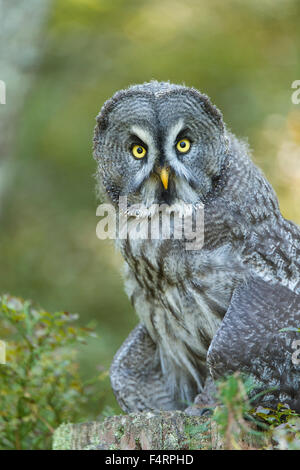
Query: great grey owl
209	312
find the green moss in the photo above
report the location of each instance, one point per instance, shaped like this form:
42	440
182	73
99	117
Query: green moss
62	438
119	432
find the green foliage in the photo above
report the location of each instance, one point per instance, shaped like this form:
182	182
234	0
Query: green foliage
233	416
286	436
198	437
290	328
282	414
240	426
40	386
283	426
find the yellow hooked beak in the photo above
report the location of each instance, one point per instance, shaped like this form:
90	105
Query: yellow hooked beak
164	176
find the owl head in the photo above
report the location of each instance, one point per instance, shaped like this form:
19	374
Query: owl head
159	143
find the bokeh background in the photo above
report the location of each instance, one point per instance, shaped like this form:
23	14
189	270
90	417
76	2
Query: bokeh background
243	53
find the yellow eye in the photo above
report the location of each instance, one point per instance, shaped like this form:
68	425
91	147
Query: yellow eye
138	151
183	145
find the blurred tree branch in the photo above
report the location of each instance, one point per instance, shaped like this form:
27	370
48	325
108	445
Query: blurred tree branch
20	50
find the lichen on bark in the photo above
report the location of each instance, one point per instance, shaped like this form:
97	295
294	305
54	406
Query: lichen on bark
136	431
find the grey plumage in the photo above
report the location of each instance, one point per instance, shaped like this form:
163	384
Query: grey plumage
181	297
250	339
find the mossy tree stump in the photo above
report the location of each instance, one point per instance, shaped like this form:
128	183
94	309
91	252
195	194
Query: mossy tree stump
137	431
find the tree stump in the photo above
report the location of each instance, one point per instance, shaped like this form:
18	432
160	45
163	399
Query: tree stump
172	430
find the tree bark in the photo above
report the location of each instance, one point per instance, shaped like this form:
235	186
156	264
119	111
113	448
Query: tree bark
164	430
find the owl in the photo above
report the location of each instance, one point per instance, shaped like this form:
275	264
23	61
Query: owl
208	312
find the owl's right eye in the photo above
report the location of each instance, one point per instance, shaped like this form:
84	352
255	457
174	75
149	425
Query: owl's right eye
138	151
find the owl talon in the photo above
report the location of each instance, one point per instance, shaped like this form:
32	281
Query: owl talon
195	410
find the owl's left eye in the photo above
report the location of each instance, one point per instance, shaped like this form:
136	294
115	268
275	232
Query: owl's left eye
138	151
183	145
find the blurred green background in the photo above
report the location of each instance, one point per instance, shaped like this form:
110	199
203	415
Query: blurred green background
243	53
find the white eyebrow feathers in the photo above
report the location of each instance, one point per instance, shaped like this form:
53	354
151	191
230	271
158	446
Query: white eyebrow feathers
173	133
147	138
142	134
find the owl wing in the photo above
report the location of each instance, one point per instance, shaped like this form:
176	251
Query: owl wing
136	376
249	340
